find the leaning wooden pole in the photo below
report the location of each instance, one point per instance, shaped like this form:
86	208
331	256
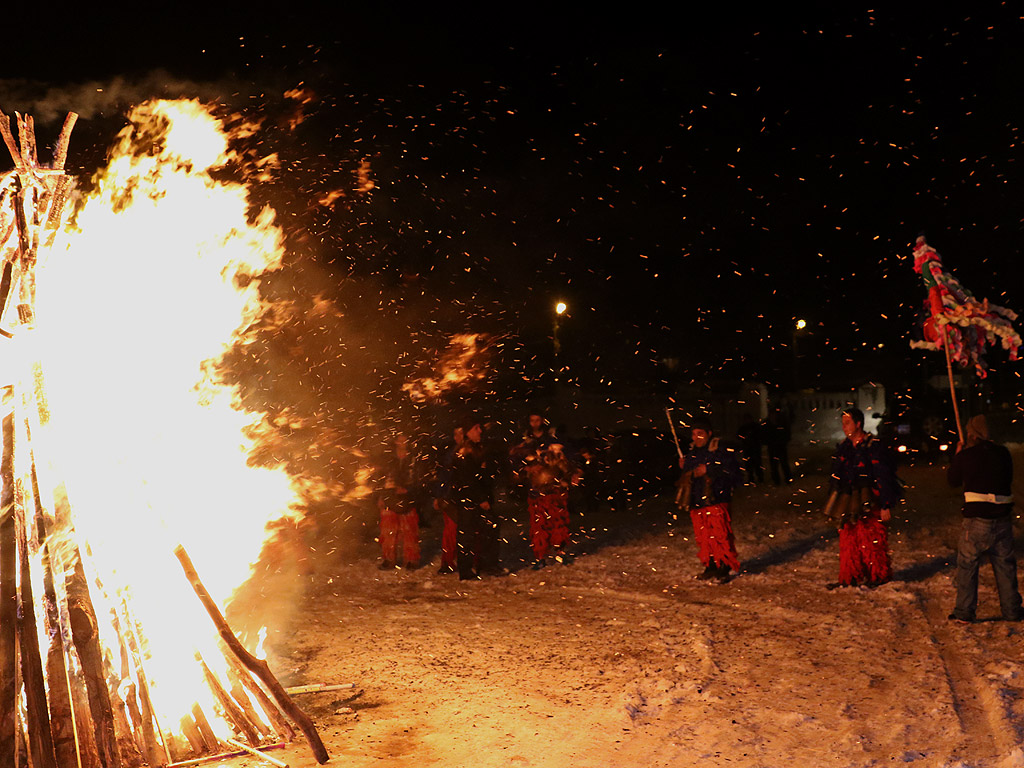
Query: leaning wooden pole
40	737
257	666
952	386
230	708
273	712
84	634
8	595
62	713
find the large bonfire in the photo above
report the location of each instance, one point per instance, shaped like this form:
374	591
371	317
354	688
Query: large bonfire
138	454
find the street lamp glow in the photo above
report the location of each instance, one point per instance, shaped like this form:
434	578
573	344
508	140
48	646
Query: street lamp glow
560	308
801	324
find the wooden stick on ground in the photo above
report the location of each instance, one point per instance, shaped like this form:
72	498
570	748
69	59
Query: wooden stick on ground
256	753
319	688
221	756
256	666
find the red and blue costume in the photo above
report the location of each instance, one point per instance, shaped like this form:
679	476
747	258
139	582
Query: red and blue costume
863	483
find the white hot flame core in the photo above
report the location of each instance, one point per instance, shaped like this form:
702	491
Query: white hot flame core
131	307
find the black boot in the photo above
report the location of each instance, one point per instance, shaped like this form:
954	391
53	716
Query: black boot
710	572
722	574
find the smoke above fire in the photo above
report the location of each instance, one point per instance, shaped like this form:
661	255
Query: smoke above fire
49	103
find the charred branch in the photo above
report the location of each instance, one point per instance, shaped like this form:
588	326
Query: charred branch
242	676
12	146
257	666
231	709
238	693
60	149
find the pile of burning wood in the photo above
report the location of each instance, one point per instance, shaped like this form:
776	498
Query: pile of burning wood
66	699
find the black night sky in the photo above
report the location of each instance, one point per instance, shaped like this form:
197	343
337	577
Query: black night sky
690	183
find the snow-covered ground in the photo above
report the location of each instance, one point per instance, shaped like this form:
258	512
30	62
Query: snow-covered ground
624	659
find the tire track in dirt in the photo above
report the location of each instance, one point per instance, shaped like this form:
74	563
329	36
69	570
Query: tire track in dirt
985	723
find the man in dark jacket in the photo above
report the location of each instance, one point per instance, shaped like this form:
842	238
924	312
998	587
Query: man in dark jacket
710	472
473	472
985	470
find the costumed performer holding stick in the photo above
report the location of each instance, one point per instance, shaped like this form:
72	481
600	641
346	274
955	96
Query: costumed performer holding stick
713	473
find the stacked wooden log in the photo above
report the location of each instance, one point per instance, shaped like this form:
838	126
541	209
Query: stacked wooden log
69	702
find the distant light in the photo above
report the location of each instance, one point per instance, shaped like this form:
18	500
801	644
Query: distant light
801	324
943	447
901	449
560	308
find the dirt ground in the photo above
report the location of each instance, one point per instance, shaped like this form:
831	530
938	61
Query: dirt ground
624	659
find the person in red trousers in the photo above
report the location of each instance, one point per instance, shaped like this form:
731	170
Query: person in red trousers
710	472
398	503
864	489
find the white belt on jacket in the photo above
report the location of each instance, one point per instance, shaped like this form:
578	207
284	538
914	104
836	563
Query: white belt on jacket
991	498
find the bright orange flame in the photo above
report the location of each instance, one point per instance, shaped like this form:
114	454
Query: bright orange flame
459	364
135	304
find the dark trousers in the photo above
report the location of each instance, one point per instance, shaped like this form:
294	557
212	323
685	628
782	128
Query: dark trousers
489	555
752	464
470	523
979	537
778	460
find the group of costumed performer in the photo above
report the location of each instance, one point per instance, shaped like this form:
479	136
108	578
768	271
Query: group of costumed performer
956	319
710	472
863	489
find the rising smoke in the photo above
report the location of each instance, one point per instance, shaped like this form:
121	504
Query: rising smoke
98	98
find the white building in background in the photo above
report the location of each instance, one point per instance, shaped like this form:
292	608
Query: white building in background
817	416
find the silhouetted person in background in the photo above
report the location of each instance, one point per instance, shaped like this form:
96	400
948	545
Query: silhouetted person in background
445	503
749	434
776	435
473	472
